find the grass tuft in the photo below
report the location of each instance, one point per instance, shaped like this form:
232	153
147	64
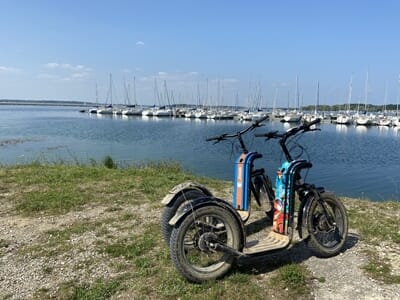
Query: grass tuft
380	269
293	279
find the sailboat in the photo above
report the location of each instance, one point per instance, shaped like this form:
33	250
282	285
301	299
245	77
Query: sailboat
383	119
396	119
107	109
93	110
364	119
164	111
132	110
294	116
315	115
346	118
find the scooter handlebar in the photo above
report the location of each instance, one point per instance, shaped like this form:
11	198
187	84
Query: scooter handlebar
216	138
233	135
269	135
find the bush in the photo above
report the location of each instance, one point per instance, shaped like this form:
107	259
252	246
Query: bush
108	162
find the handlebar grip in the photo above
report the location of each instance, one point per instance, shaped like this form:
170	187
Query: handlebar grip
214	138
258	122
269	135
260	135
316	121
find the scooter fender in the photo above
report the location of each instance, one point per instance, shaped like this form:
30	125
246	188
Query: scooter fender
304	210
182	213
174	193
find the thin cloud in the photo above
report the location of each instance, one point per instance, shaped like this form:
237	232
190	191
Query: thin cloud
4	69
80	75
67	66
52	65
172	77
139	43
48	76
65	71
225	80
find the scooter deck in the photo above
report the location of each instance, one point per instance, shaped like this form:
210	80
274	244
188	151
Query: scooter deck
273	241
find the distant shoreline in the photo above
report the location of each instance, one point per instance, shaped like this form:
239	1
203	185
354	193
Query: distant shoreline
45	102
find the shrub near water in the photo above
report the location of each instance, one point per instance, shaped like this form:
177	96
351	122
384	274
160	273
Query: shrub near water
109	162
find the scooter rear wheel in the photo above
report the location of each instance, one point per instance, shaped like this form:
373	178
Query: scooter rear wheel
328	226
190	244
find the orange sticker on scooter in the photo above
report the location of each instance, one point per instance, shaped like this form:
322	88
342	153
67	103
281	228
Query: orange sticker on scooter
239	182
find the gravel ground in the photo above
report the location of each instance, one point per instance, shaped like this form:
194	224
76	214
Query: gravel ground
344	277
22	273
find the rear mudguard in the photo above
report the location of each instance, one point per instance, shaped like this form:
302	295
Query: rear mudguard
304	209
174	193
182	213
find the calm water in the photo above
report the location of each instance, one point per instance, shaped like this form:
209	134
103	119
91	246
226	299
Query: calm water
352	161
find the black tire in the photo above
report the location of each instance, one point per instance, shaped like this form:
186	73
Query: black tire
189	252
265	194
328	232
170	210
269	203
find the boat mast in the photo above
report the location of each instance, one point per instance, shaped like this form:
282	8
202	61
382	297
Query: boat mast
317	96
385	98
350	92
236	100
167	93
97	95
198	100
111	101
297	96
109	94
366	92
127	99
398	96
206	102
156	93
275	99
134	91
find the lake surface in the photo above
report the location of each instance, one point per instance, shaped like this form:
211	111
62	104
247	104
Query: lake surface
351	161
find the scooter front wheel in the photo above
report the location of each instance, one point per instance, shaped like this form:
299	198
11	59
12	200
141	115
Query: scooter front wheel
328	226
191	243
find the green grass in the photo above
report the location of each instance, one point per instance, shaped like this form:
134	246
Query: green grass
376	222
293	280
380	269
99	290
133	247
58	189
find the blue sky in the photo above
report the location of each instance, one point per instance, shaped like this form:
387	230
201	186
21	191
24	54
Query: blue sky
62	49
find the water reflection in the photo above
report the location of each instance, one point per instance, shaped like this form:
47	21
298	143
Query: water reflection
383	129
361	129
396	130
341	128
